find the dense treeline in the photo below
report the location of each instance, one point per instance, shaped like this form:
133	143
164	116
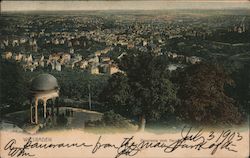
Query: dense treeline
199	94
203	97
205	93
13	86
15	82
73	83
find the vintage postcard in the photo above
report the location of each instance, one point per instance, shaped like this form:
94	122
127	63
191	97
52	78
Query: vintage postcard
124	78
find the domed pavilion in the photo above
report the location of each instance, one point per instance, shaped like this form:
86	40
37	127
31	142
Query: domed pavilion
43	87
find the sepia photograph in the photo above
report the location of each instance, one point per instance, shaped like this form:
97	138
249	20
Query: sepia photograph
124	78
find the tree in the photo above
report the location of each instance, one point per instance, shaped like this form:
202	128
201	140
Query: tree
13	87
116	95
241	90
144	89
203	98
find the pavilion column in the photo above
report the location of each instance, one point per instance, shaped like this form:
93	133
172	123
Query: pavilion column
57	107
44	108
36	115
31	114
31	111
52	107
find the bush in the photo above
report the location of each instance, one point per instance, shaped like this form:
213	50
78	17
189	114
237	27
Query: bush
110	119
61	120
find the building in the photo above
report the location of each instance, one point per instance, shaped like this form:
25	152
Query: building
113	69
28	59
18	57
55	65
104	68
71	50
7	55
94	60
58	66
98	53
82	64
55	56
105	59
172	55
94	70
193	60
66	58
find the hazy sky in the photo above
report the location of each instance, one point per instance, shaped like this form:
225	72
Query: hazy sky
123	5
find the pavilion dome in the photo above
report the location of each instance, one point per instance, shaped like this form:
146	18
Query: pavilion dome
44	82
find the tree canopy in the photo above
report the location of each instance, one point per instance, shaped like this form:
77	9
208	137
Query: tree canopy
203	98
143	89
13	87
